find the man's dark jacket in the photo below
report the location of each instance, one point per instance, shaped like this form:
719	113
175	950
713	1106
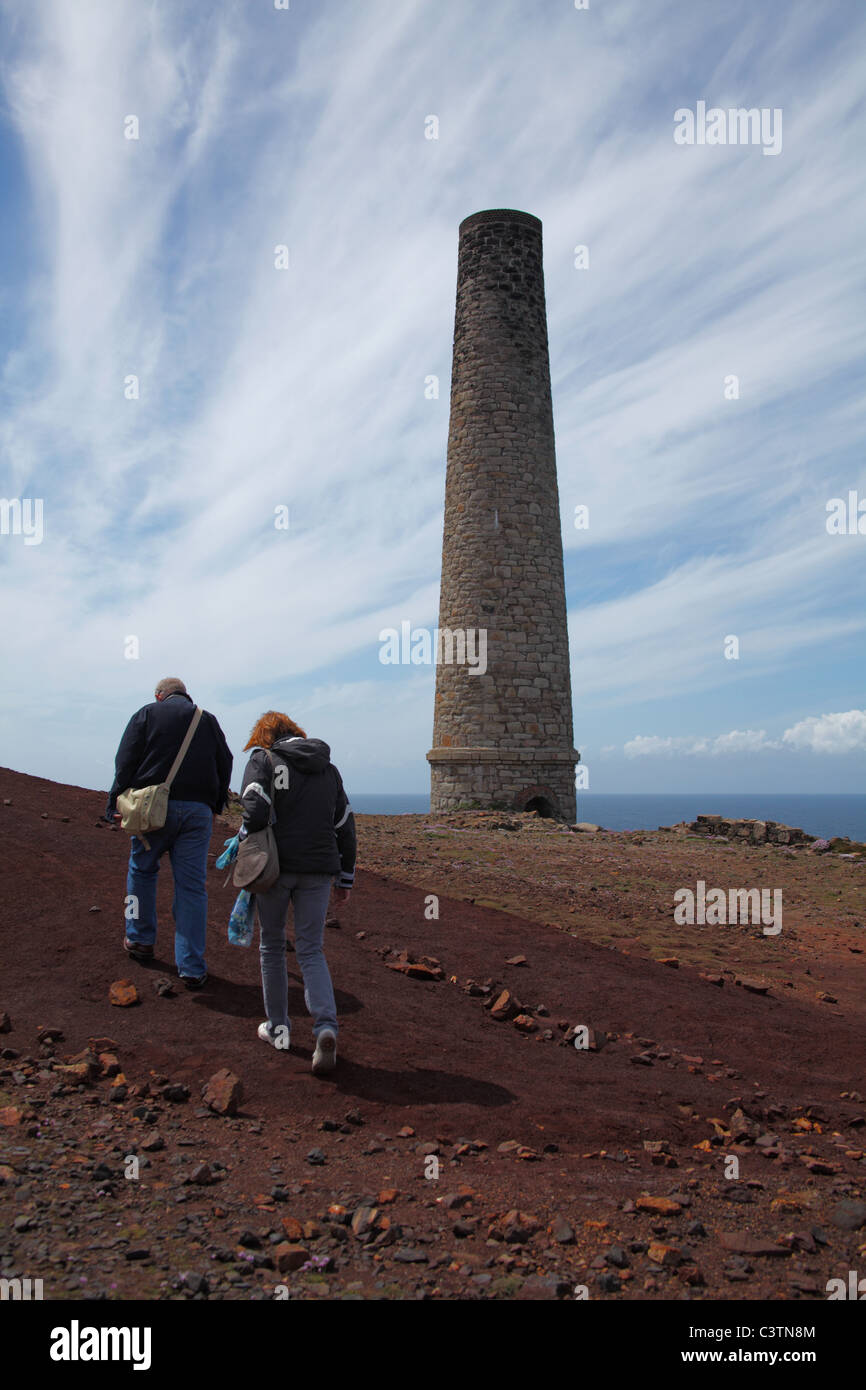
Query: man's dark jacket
150	744
315	827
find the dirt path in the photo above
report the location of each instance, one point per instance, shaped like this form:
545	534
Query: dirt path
340	1175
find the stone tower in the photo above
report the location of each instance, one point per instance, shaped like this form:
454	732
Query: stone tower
502	738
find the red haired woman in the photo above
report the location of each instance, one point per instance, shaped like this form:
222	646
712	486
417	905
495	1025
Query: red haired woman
291	782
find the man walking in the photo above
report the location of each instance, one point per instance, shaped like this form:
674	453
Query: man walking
147	750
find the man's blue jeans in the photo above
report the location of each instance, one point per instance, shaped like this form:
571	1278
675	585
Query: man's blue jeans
186	835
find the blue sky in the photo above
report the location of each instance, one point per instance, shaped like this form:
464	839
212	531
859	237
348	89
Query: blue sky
304	388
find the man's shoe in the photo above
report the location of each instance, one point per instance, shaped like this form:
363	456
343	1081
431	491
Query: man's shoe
195	981
278	1039
137	950
325	1055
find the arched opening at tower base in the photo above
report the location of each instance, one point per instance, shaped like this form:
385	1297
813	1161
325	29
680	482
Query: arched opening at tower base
540	799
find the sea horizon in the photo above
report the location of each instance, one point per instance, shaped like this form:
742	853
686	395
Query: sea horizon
822	814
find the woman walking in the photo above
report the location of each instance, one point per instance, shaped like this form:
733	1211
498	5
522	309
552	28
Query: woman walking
291	782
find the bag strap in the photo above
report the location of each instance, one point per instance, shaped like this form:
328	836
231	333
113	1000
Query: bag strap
272	818
182	751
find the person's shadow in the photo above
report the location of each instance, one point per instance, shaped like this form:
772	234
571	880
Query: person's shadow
239	1000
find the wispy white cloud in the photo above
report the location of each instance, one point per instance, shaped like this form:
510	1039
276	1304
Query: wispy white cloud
305	387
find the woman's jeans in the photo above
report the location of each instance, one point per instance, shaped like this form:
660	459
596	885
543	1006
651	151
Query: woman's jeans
186	835
309	895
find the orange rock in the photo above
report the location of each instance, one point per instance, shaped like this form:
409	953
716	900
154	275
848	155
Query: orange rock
123	994
11	1115
293	1228
223	1092
662	1206
662	1254
503	1007
388	1195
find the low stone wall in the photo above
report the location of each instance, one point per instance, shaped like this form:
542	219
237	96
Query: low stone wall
756	832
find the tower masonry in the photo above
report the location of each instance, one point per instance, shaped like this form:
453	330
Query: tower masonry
502	731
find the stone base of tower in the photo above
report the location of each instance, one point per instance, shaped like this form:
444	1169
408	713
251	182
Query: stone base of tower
504	780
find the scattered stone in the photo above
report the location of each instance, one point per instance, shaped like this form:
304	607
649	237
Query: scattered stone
516	960
515	1227
452	1201
608	1282
617	1257
562	1232
123	994
741	1243
849	1214
316	1158
525	1023
753	986
424	968
223	1092
667	1255
504	1007
363	1221
176	1092
164	987
194	1283
662	1206
289	1257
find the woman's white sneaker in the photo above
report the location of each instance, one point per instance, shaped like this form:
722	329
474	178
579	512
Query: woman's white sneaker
325	1055
279	1038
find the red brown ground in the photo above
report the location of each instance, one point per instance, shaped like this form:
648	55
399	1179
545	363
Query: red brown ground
698	1070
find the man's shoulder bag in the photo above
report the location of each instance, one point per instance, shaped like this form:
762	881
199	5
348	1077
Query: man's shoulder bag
257	866
146	808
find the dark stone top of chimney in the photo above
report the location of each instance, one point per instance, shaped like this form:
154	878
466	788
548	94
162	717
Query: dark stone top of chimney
525	219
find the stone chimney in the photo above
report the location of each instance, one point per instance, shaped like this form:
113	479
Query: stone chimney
502	736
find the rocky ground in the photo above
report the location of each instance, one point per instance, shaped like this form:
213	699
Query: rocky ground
546	1088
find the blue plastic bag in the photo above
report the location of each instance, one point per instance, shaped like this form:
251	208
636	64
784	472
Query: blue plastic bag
242	920
229	854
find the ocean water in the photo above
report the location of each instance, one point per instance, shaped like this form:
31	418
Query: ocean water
825	815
